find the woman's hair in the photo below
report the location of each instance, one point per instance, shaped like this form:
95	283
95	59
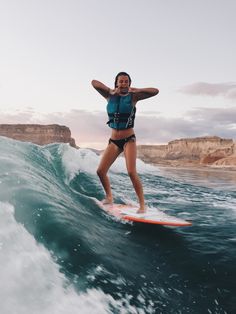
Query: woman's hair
122	73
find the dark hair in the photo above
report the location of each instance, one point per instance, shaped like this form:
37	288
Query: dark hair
122	73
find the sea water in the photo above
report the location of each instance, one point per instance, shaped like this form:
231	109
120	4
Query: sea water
60	253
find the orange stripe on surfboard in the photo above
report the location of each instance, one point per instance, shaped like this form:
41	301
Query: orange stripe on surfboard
161	222
153	215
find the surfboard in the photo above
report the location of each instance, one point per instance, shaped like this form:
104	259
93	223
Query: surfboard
151	216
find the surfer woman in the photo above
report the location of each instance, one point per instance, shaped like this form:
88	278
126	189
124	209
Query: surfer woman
121	110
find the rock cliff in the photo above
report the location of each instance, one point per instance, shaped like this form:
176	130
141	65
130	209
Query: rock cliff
209	150
38	134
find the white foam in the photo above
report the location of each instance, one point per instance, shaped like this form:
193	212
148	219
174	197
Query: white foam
31	281
119	166
76	160
47	155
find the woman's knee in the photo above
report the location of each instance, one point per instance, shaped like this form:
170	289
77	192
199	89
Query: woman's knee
101	172
132	174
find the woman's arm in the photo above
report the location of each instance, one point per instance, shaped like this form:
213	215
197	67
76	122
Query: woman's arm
143	93
101	88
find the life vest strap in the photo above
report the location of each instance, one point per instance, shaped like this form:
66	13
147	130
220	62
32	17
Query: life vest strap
118	117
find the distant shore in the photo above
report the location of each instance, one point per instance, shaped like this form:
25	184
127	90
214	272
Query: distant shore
196	167
181	164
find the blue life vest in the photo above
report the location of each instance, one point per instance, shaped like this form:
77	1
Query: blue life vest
121	112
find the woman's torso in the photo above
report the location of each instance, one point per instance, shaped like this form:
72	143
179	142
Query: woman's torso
119	134
126	105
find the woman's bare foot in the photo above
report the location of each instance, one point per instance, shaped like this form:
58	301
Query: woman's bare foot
141	210
107	200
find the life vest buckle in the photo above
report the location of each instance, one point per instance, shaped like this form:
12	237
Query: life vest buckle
116	117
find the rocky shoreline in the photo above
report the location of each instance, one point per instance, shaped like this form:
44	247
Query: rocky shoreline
38	133
209	151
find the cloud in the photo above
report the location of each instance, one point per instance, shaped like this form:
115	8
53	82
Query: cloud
227	90
215	116
27	115
195	123
89	128
85	126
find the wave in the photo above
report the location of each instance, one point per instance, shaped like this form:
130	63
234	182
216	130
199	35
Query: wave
59	252
32	281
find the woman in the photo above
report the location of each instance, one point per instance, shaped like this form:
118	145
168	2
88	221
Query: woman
121	110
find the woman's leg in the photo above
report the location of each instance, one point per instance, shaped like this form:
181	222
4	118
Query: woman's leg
130	153
109	156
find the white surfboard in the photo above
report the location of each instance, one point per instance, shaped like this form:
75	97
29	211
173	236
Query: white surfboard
151	216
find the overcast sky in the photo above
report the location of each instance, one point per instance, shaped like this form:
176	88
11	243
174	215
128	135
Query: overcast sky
50	50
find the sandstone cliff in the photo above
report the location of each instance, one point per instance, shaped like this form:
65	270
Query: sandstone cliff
191	152
38	134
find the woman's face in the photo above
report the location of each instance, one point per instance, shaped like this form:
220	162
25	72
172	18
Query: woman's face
123	83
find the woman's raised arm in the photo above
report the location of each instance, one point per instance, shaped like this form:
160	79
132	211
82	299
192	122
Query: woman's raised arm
101	88
143	93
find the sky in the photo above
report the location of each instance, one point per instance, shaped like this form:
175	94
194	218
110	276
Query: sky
50	50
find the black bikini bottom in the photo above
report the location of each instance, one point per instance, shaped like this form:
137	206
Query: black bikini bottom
121	143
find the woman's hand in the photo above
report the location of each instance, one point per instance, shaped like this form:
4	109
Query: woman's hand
134	90
114	91
118	91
